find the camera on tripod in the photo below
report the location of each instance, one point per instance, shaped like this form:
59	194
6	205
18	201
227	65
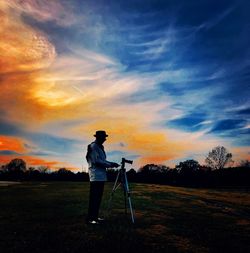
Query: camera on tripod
125	161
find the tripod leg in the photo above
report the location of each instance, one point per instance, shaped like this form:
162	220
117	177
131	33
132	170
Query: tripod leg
129	198
125	198
113	191
131	210
124	190
116	180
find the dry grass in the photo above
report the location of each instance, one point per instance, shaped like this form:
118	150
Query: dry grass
49	217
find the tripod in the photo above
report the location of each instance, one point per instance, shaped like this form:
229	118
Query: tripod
121	179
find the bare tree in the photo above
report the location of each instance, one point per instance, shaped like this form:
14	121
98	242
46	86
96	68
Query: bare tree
218	158
31	169
43	169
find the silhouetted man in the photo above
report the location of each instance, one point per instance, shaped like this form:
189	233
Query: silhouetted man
96	158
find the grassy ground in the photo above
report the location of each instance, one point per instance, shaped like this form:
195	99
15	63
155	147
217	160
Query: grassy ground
49	217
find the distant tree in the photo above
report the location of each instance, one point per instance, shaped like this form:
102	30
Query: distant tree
16	165
218	158
131	171
43	169
64	171
31	169
3	168
245	163
153	168
204	168
188	166
153	173
64	174
131	174
163	168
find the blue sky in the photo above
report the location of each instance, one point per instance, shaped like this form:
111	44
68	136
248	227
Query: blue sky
179	70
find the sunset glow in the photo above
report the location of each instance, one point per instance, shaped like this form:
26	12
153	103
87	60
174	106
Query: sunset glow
165	85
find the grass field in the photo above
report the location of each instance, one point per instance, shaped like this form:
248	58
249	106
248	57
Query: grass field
49	217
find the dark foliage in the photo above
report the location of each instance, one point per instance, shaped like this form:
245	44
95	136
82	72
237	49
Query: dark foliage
188	173
16	165
39	174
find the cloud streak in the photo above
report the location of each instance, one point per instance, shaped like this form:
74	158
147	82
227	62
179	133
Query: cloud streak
158	85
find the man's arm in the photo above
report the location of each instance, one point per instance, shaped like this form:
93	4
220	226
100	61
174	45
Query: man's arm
99	161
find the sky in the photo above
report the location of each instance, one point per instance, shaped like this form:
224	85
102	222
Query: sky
167	80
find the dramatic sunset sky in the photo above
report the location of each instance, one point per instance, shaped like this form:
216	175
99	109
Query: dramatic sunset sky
167	80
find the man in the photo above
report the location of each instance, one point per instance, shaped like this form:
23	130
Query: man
96	158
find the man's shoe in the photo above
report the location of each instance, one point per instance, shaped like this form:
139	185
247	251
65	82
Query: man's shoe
92	222
101	220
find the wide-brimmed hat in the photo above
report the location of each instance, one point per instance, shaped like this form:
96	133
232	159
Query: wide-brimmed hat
100	133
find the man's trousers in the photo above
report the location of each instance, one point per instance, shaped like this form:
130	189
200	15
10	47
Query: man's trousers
95	198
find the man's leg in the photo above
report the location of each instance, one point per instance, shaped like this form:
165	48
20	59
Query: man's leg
95	198
99	194
92	200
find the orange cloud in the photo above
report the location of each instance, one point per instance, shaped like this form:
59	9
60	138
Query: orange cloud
24	52
17	145
30	161
240	153
22	48
34	161
5	159
150	145
11	143
158	159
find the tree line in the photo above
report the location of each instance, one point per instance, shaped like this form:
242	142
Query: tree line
217	172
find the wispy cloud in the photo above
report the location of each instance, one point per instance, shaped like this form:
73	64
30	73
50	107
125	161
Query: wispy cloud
217	19
60	12
22	53
162	86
